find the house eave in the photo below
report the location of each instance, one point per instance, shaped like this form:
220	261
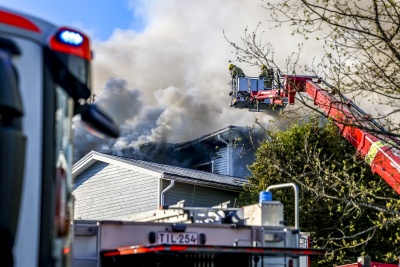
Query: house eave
197	181
83	164
91	158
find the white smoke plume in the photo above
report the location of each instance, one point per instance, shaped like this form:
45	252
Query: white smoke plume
169	81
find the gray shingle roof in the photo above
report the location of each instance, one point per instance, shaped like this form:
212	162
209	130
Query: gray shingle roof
182	174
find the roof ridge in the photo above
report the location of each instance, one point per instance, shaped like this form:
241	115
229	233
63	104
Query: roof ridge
171	170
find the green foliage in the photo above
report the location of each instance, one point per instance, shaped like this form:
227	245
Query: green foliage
348	210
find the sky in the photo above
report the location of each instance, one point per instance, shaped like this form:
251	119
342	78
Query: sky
160	68
97	18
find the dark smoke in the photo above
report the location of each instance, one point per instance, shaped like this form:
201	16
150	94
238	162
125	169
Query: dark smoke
145	131
178	64
126	107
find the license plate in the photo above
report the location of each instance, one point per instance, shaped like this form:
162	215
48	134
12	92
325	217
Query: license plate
176	238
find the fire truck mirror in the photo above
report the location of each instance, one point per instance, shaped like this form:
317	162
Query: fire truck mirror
98	122
10	99
9	46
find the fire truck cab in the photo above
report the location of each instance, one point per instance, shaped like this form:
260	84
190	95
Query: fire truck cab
255	235
44	81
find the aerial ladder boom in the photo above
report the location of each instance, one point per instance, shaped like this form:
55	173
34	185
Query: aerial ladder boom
379	151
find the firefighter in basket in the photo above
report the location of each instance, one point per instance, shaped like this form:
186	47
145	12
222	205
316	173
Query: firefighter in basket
235	72
267	75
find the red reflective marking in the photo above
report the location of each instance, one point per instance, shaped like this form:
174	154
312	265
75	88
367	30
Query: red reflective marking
139	250
18	21
113	253
259	250
134	250
66	250
82	50
127	252
178	248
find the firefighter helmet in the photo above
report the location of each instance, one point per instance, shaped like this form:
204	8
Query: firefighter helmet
230	66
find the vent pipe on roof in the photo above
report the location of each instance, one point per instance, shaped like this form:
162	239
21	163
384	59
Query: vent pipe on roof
165	190
228	155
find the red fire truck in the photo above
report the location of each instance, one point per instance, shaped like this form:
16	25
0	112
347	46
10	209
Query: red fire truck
174	236
379	150
44	81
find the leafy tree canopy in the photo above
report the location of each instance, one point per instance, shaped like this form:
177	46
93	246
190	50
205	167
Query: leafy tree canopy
348	210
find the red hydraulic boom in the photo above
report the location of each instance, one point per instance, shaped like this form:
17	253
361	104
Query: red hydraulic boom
380	151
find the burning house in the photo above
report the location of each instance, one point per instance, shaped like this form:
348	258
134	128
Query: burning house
108	187
227	151
206	171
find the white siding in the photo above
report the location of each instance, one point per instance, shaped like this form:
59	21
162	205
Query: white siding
105	191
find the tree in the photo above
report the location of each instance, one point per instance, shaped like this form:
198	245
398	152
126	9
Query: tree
348	210
361	40
361	44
